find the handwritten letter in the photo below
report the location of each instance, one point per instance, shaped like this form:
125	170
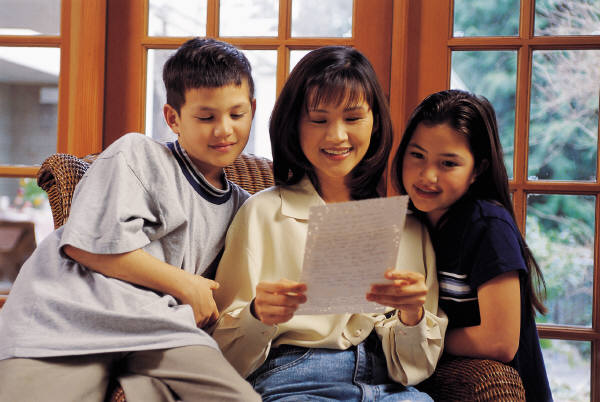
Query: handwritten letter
349	246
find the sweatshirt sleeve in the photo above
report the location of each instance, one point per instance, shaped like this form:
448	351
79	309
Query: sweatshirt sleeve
412	352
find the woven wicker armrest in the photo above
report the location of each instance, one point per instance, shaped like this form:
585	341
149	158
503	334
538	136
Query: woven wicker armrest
466	379
58	176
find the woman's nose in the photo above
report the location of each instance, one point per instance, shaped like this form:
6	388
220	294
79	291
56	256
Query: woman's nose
336	131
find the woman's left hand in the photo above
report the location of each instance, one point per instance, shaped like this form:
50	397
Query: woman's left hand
405	291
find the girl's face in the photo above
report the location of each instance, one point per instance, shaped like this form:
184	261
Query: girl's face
437	169
335	138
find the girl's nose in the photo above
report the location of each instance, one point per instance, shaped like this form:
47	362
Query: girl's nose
430	174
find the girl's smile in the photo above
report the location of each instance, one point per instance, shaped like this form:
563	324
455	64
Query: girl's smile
437	169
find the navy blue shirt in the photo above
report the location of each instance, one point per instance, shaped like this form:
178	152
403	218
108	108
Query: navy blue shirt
477	241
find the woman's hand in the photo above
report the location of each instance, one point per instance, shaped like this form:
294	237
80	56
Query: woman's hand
405	291
198	294
276	302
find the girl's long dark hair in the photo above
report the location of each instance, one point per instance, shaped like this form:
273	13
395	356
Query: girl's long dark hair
330	74
474	117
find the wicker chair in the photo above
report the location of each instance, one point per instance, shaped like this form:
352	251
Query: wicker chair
455	379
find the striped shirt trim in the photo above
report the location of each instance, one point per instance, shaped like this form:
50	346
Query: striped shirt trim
196	179
457	299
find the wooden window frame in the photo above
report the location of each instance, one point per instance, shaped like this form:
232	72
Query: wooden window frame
423	39
128	43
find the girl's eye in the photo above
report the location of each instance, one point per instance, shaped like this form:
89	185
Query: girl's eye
449	164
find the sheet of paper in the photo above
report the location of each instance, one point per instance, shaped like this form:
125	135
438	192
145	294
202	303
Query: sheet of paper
349	246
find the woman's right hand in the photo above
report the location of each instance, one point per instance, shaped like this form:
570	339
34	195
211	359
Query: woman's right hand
276	302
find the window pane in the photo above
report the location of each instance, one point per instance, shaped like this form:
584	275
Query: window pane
563	123
249	18
492	74
30	17
264	66
486	18
560	233
28	104
575	17
318	18
295	56
177	18
156	96
568	366
25	219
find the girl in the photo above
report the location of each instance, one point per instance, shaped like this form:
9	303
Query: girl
450	163
330	134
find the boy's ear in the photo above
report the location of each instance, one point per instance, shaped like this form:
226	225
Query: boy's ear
253	103
171	117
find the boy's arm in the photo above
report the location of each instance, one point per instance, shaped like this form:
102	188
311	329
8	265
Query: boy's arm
497	337
141	268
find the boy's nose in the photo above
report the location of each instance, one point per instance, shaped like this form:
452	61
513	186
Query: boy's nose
223	128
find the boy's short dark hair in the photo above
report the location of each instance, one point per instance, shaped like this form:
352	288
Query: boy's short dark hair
204	63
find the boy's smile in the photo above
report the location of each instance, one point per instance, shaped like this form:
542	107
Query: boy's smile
213	126
437	169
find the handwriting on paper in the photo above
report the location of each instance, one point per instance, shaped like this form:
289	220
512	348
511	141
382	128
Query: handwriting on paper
348	247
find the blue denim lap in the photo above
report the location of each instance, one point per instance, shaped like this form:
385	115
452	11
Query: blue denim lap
302	374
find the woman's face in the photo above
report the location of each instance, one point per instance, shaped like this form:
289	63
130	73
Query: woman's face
335	138
437	169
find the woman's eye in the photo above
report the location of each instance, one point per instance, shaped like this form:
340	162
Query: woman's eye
416	155
318	121
236	116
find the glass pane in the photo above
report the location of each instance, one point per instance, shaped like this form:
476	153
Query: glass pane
156	96
560	233
249	18
28	104
295	56
568	366
177	18
486	18
563	122
25	219
575	17
264	67
30	17
325	19
492	74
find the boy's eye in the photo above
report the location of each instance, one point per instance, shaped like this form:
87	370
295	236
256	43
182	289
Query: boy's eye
204	118
237	115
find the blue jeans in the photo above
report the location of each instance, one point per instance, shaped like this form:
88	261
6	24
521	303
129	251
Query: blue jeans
293	373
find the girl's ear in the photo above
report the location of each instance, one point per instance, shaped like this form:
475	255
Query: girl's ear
171	118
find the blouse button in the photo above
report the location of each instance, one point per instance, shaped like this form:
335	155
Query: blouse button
358	332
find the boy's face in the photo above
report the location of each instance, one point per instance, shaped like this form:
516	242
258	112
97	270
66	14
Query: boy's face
213	126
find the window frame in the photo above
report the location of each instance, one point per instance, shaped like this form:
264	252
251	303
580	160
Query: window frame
427	70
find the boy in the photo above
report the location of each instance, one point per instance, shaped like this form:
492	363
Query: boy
119	286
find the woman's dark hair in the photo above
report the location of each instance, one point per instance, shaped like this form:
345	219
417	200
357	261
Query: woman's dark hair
330	75
474	117
204	63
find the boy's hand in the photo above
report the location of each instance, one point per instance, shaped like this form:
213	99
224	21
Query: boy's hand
406	292
276	302
198	294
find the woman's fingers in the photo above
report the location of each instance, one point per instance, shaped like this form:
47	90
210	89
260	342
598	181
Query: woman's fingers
276	302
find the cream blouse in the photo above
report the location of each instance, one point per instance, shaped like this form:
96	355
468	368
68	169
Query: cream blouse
265	242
